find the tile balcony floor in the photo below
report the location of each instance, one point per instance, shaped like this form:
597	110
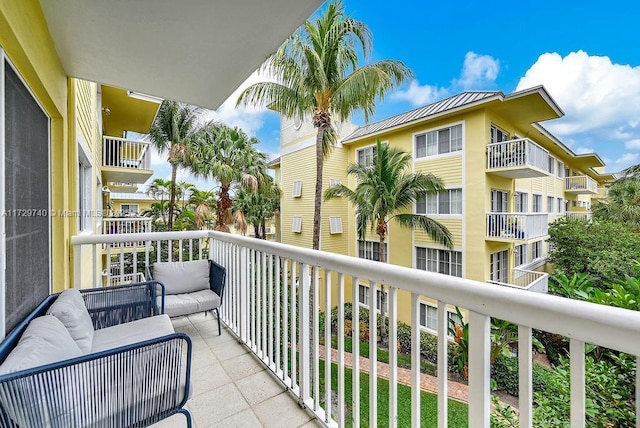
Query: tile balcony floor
229	386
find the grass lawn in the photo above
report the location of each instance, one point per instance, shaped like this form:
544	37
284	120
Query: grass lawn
458	412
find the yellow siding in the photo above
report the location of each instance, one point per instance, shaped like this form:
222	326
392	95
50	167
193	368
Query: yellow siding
447	168
453	224
298	166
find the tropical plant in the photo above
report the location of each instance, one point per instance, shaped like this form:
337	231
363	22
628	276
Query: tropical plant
578	286
229	156
158	212
173	129
385	191
203	203
159	189
623	203
256	207
317	75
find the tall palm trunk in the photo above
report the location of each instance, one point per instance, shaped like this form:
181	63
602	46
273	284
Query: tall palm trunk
224	205
172	196
381	230
317	206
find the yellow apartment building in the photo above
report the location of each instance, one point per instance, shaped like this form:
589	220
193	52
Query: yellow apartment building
506	179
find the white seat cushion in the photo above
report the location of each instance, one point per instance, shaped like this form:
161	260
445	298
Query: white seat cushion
131	332
183	304
182	277
70	309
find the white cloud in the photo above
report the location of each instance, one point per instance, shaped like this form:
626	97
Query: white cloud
632	144
625	161
478	71
419	95
582	150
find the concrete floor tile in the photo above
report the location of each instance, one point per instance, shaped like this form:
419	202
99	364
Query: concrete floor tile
259	387
245	419
204	379
216	405
228	350
242	366
281	411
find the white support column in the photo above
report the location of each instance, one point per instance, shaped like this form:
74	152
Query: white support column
479	370
443	367
393	357
327	347
315	341
244	295
96	262
355	352
577	367
77	266
305	339
415	360
525	376
340	334
373	354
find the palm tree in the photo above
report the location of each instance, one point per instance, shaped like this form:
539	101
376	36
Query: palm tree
159	189
202	202
256	207
172	130
229	156
158	211
623	203
317	76
385	191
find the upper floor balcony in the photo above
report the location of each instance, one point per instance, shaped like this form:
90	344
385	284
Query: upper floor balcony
266	307
520	158
516	226
125	161
579	215
581	185
529	280
125	225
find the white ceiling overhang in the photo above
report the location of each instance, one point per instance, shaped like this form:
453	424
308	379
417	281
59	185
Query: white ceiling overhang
194	51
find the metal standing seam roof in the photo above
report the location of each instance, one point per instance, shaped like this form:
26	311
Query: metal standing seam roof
422	112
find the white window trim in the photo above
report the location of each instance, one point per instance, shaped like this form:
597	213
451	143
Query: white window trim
378	293
84	158
296	224
439	155
370	146
296	190
533	195
439	248
334	182
438	215
335	225
373	242
137	209
435	332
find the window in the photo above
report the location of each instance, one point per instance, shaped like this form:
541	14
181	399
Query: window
499	266
550	201
522	200
333	182
429	317
498	135
560	169
363	297
365	156
84	196
335	224
521	255
369	250
499	201
552	163
296	192
439	261
536	250
447	202
129	209
537	203
560	205
296	225
438	142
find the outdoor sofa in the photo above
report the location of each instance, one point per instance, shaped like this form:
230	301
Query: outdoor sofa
102	357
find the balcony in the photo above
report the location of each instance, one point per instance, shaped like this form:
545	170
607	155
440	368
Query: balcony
513	227
581	185
527	280
125	161
521	158
123	187
266	308
579	215
125	225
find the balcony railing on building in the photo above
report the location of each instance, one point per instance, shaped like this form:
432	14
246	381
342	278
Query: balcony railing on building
579	215
517	226
527	280
520	158
267	305
581	185
126	161
126	225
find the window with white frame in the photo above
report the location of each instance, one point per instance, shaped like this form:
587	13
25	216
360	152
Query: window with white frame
552	164
537	203
429	317
499	266
84	194
335	225
521	255
560	169
560	205
536	250
499	201
522	200
550	202
363	297
446	202
441	141
498	135
296	192
296	225
129	209
365	156
440	261
334	182
369	250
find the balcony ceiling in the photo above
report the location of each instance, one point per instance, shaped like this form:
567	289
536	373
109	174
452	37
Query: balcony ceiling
195	51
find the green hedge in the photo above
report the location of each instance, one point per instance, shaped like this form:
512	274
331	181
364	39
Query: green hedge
505	373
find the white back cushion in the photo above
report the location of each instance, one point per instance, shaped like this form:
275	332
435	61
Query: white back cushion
70	309
44	341
182	277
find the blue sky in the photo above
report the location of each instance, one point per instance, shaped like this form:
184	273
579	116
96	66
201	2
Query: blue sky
587	55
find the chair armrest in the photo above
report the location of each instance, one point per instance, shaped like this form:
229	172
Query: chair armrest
134	385
110	306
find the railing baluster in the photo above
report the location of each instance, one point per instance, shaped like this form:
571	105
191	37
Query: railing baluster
270	325
278	329
479	364
294	332
393	357
577	368
355	352
285	321
305	339
443	366
244	294
263	303
415	360
340	336
315	340
373	354
525	376
327	346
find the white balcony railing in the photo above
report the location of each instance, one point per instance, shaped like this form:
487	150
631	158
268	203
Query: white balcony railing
517	153
268	296
581	184
123	153
579	215
519	226
527	280
123	225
